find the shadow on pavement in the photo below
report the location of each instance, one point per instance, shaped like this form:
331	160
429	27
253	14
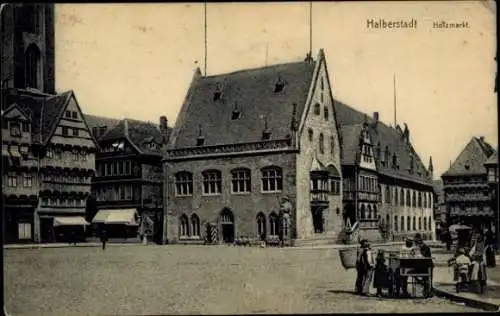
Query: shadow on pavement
372	296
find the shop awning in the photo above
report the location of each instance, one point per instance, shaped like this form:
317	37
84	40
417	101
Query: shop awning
69	221
14	151
123	216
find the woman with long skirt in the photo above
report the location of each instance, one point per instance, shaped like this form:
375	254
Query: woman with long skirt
368	269
479	274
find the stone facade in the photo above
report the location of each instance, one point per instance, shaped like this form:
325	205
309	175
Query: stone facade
269	166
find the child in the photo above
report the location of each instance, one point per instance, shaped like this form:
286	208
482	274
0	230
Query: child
381	279
461	266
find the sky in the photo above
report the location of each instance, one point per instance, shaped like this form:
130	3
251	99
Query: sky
137	60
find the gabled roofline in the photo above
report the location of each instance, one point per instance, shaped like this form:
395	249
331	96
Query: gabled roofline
96	143
15	105
310	93
59	116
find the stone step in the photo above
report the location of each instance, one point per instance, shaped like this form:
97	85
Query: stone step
316	241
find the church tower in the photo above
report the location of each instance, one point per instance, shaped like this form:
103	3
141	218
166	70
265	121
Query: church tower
28	47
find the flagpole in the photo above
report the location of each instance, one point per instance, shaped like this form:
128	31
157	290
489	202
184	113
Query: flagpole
395	100
205	33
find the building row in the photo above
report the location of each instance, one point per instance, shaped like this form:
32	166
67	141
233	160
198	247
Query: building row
470	187
264	153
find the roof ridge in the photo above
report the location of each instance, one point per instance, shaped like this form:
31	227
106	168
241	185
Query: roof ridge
252	69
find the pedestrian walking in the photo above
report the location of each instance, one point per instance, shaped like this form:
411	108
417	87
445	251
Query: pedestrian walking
104	239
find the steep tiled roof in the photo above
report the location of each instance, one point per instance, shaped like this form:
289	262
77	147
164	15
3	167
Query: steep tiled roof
139	133
471	159
251	92
388	136
493	160
100	121
350	142
438	190
45	110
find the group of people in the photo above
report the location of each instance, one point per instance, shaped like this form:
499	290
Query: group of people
471	264
374	270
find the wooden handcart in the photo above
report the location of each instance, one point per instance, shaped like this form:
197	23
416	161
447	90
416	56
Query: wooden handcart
414	268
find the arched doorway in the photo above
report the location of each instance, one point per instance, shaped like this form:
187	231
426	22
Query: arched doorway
227	225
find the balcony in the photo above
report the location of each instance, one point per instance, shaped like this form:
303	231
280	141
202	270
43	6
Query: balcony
467	197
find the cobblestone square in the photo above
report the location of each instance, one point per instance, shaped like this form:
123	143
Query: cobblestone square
189	280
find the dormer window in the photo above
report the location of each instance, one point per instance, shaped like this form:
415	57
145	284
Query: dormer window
236	115
236	112
25	127
153	146
218	92
200	141
279	86
326	114
394	161
266	134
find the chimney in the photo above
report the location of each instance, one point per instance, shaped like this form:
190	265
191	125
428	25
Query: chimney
431	167
164	129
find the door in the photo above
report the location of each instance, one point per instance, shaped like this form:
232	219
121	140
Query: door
227	225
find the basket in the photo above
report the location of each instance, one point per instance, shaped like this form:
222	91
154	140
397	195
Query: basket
348	257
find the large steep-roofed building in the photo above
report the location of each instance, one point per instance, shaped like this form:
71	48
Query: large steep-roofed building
249	142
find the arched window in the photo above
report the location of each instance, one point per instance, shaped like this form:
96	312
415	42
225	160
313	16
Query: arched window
332	145
212	182
402	197
310	134
414	226
425	200
272	179
321	143
396	196
395	223
408	197
183	183
425	223
408	223
414	199
273	224
183	226
32	67
325	112
388	219
261	226
317	109
369	213
375	215
402	223
419	199
419	223
195	225
387	194
363	214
